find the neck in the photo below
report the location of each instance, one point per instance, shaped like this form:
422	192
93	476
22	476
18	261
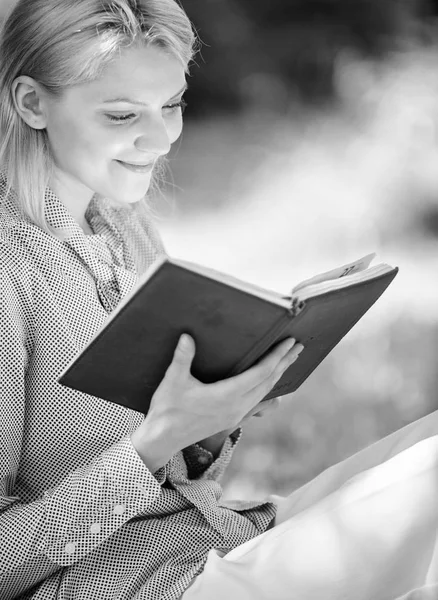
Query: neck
75	197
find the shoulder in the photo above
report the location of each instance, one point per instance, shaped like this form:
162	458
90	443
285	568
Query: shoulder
17	307
15	262
25	247
11	232
16	280
17	273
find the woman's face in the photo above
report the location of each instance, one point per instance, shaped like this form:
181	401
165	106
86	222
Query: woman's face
106	135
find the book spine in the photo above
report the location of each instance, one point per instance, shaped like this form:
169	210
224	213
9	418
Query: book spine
263	344
297	306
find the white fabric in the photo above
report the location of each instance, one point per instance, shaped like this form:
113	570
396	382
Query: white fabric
365	529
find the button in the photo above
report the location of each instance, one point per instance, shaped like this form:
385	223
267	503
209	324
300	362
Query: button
70	548
95	528
119	509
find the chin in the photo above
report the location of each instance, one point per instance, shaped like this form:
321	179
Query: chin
125	199
126	191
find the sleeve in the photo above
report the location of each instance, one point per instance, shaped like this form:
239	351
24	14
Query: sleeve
197	459
88	506
201	463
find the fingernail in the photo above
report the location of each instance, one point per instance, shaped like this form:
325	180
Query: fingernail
291	343
184	342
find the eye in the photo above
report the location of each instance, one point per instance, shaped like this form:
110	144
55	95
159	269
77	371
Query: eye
120	118
181	105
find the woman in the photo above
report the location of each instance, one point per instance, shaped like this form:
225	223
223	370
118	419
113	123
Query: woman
98	502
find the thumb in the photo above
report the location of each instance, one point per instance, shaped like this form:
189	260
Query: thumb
184	354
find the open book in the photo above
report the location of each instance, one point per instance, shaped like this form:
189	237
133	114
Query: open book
234	323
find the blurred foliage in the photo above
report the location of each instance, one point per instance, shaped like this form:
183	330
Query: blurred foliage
274	53
371	385
264	185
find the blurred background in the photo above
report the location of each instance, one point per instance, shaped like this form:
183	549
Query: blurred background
310	140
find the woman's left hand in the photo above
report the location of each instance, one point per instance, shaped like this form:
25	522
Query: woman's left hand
215	442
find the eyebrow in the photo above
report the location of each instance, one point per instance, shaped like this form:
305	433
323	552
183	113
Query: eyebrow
137	102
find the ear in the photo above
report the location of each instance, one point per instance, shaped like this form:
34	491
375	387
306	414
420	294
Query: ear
29	101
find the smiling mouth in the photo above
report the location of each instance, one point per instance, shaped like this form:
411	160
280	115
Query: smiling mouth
136	167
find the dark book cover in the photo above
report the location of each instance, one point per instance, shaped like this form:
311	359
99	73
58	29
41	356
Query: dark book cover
232	329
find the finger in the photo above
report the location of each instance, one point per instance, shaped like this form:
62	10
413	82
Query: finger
264	369
259	408
183	356
263	388
261	411
290	357
286	361
267	406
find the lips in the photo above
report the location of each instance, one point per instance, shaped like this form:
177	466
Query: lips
135	164
137	167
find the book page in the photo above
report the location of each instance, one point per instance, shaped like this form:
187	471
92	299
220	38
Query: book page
316	289
354	267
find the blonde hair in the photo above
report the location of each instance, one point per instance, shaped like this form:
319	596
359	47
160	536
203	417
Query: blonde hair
61	43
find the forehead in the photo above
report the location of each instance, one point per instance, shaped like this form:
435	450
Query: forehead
142	73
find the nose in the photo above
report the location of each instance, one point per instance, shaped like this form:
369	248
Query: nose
154	138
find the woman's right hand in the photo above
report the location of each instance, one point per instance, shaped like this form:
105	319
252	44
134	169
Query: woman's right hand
183	410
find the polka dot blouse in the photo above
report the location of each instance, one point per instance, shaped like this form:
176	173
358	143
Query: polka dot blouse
81	517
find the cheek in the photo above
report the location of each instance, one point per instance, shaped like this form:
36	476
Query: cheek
68	141
60	137
71	138
174	129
